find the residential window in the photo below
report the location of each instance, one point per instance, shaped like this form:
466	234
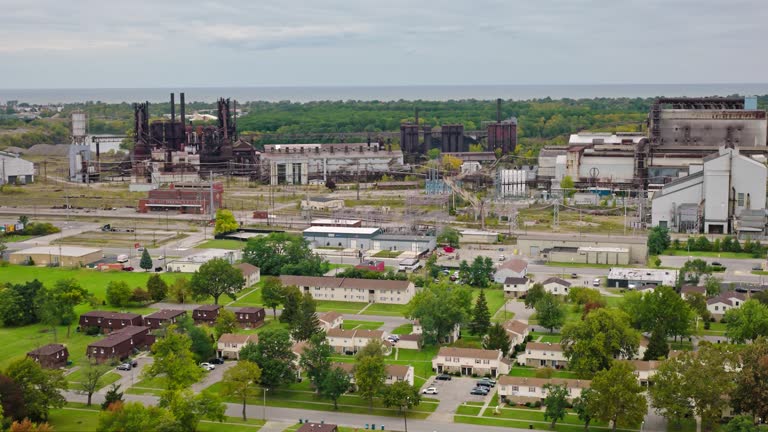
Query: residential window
741	200
717	308
515	388
532	389
477	361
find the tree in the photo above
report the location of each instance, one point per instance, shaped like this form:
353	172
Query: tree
549	312
451	163
189	408
481	316
113	395
479	273
712	285
592	344
157	288
240	381
291	305
439	308
698	304
316	359
146	260
226	322
56	304
533	295
174	359
697	381
274	356
41	387
584	406
498	339
370	374
201	343
118	293
662	310
335	383
217	277
657	347
402	395
668	395
91	381
307	323
272	293
658	240
225	222
180	290
555	403
140	296
749	395
449	236
284	254
580	296
3	247
433	153
618	396
567	186
748	322
136	417
17	303
741	423
12	398
27	426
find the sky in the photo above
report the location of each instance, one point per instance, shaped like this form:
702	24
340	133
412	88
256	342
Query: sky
170	43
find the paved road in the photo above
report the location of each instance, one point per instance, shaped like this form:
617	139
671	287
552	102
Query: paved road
451	394
737	270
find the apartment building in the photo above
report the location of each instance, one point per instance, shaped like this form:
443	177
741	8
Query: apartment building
470	361
353	290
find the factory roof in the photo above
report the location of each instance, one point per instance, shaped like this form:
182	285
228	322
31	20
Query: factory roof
341	230
340	222
583	238
665	277
602	249
324	199
606	137
75	251
413	238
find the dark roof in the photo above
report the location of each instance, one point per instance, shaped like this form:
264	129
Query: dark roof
515	280
118	337
249	309
111	315
334	282
324	199
166	314
557	280
318	427
49	349
208	307
247	268
515	265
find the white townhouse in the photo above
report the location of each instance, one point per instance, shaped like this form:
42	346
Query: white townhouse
468	361
353	290
520	390
230	344
556	286
352	341
516	286
543	354
394	373
718	306
517	331
330	320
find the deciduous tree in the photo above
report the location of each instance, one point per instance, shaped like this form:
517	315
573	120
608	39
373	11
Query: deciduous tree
402	395
226	322
291	305
439	308
180	290
316	359
498	339
449	236
658	240
157	288
56	304
274	356
136	417
751	392
534	295
41	387
240	381
118	293
217	277
618	396
92	378
584	406
113	395
555	403
281	253
550	312
272	293
668	394
370	374
335	383
748	322
225	222
741	423
173	358
189	408
592	344
17	303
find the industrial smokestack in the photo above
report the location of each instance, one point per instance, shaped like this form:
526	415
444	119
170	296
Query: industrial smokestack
173	108
417	116
498	110
182	110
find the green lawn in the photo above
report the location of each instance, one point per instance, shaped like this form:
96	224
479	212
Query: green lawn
17	238
76	417
222	244
737	255
385	309
362	325
387	254
148	386
251	299
403	329
299	394
530	372
340	306
77	377
421	360
759	272
92	280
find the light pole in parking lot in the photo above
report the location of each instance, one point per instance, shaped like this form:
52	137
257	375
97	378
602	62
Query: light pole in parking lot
264	406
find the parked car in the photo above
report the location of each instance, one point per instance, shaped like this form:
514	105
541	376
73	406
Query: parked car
216	361
486	382
124	367
716	264
482	391
134	363
158	269
596	282
502	257
160	258
394	336
574	276
430	390
443	377
141	249
207	366
757	268
128	268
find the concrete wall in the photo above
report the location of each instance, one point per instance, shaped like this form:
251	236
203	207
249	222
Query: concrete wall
685	192
609	167
16	170
46	259
532	245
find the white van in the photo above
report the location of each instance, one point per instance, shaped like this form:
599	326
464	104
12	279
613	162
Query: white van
596	282
122	258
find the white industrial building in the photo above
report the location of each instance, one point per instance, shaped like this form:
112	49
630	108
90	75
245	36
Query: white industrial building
619	277
15	170
714	195
192	263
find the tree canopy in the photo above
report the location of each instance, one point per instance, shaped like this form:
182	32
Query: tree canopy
284	254
748	322
439	308
225	222
217	277
618	397
658	240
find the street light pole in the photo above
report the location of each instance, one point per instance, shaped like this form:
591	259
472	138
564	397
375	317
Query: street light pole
405	417
264	406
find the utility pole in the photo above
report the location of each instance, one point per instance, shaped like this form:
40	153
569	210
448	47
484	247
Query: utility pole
625	211
211	205
357	177
556	214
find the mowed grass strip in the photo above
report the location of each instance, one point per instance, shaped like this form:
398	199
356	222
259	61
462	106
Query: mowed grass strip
222	244
340	306
385	309
362	325
77	377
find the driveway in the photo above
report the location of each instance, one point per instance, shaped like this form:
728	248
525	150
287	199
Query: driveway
451	394
131	377
521	313
212	377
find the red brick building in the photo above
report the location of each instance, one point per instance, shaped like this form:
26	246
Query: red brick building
250	317
163	317
206	314
110	321
184	198
120	344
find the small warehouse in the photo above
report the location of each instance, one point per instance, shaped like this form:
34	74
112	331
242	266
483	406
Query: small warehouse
587	255
476	236
321	203
15	170
624	277
412	243
343	237
535	244
64	256
192	263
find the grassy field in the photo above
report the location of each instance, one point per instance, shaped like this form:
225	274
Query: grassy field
403	329
79	418
736	255
300	394
362	325
387	254
385	309
251	299
340	306
92	280
421	360
16	238
77	376
222	244
573	221
522	371
296	427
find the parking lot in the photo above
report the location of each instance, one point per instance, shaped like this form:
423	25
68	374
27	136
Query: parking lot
453	393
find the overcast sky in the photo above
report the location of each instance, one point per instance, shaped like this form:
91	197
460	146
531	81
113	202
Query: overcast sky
169	43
